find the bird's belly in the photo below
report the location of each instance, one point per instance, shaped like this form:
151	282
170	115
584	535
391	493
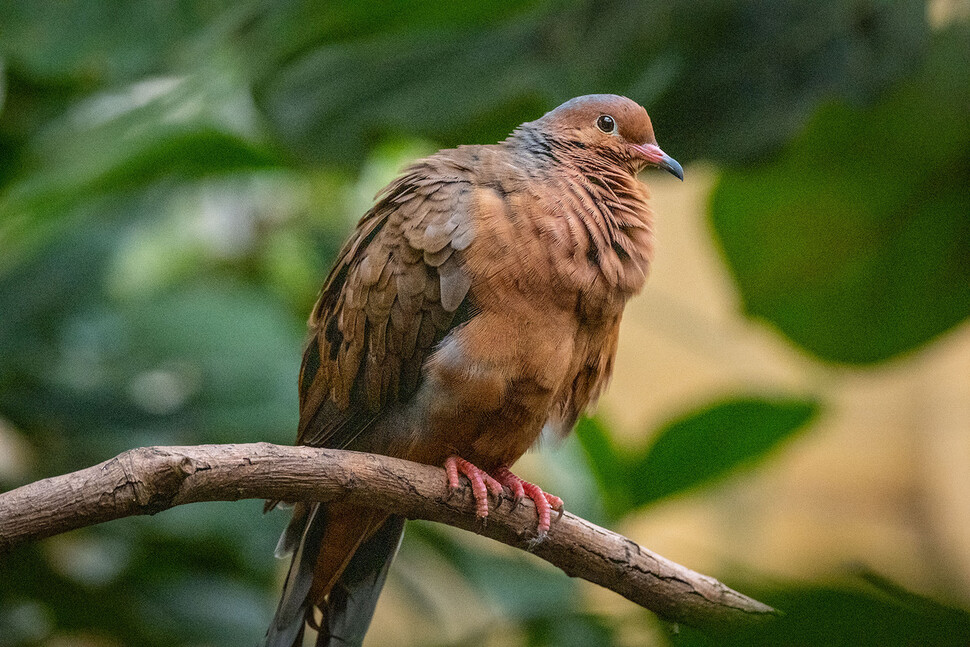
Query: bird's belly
489	388
487	433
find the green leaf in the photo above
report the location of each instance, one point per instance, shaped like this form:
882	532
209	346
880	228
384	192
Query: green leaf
841	615
605	462
712	443
237	346
690	452
854	242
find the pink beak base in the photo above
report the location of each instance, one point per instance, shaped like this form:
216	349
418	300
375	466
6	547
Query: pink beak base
660	159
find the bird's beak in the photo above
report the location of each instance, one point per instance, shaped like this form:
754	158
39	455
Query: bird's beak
660	159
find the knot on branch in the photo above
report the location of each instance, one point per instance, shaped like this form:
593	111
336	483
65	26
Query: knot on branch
148	479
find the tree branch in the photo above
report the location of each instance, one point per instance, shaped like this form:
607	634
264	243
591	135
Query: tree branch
151	479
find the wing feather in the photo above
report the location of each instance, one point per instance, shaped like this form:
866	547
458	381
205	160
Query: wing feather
390	298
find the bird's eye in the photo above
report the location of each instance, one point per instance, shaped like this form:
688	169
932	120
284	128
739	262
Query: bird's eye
606	123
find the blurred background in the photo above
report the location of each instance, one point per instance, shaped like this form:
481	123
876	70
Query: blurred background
791	406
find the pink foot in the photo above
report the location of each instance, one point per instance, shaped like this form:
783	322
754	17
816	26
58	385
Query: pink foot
481	482
544	501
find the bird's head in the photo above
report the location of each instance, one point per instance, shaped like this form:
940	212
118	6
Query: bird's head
608	126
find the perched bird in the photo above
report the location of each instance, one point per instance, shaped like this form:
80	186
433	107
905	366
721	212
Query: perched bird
477	302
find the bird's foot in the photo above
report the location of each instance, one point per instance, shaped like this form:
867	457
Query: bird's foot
482	483
545	502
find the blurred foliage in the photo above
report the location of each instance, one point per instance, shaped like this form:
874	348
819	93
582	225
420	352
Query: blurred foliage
854	241
457	76
175	178
842	616
691	452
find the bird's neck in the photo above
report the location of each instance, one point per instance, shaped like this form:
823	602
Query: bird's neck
535	146
552	152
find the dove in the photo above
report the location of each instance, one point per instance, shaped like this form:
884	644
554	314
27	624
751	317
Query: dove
475	304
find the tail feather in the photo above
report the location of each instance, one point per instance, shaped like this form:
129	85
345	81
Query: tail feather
350	606
288	625
293	535
357	579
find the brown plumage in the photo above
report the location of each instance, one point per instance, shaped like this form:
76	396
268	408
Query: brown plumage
478	301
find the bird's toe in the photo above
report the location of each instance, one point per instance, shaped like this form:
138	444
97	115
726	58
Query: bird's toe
544	501
482	483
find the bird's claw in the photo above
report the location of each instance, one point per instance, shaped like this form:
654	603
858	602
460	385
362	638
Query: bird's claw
560	511
513	482
544	501
556	504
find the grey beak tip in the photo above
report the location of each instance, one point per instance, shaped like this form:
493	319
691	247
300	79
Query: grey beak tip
673	167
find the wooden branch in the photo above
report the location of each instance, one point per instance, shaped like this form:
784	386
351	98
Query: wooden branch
151	479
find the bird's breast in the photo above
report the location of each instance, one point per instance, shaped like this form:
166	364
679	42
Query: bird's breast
598	242
573	242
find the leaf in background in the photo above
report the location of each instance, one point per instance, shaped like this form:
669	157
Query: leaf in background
855	242
171	579
692	451
714	442
609	466
842	616
229	353
86	375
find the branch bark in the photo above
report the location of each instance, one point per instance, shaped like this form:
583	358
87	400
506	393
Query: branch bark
149	480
